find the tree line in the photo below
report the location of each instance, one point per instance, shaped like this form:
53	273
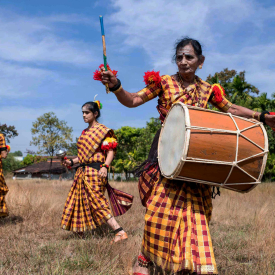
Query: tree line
49	134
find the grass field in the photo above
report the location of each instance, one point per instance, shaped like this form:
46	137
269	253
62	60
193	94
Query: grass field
242	228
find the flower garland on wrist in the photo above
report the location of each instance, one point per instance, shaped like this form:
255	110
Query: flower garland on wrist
109	143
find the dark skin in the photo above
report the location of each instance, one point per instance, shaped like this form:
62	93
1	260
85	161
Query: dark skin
187	62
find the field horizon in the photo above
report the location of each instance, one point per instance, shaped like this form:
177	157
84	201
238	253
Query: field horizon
32	242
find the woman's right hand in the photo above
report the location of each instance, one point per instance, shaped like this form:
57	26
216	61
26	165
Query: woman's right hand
66	162
108	78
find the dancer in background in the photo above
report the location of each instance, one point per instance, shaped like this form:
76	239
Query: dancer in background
4	150
86	206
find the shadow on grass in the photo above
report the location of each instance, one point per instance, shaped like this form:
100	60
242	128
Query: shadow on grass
12	219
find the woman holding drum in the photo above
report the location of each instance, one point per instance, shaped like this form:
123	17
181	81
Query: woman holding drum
176	235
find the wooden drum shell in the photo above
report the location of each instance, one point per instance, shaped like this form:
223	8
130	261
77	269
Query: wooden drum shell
219	149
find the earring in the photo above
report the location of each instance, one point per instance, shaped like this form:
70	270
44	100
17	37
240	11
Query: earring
200	66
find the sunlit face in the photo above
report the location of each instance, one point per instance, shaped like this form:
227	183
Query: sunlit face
187	60
88	116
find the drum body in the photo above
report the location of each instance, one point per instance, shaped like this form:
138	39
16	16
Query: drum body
210	147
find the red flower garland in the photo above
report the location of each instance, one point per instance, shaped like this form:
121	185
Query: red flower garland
152	77
8	148
97	73
219	92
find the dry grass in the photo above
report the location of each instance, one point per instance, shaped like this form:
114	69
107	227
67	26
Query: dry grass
32	242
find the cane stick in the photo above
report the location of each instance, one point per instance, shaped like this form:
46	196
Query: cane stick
104	49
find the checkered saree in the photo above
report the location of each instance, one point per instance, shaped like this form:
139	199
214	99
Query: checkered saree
3	187
86	206
176	234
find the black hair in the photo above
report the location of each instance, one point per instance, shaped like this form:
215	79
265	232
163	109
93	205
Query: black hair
188	41
93	107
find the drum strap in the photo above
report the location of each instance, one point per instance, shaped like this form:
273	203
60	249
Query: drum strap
215	192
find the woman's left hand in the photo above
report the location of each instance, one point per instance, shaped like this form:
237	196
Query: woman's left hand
270	120
103	172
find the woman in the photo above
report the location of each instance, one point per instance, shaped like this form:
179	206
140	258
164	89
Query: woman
3	187
176	235
86	206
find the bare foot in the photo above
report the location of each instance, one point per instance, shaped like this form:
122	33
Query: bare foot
139	269
121	235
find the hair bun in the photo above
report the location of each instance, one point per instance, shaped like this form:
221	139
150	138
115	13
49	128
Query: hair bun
98	104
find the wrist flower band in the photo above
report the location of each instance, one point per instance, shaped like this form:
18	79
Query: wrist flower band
97	73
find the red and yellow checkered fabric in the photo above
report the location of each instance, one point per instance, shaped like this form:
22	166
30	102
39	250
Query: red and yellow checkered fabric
3	187
86	206
170	92
176	234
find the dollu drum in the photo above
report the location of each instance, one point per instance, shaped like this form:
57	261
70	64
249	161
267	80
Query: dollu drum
209	147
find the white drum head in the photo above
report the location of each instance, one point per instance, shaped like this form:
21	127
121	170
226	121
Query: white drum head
172	141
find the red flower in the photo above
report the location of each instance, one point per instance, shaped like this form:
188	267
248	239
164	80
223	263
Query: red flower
8	148
219	92
97	73
152	77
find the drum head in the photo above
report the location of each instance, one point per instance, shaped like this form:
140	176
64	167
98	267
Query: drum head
172	141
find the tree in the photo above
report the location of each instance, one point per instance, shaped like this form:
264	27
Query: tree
17	154
126	157
134	145
50	134
72	149
10	164
31	159
8	131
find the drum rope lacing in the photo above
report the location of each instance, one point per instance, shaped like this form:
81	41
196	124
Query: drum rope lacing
233	164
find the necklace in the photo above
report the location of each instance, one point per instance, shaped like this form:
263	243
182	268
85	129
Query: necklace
188	89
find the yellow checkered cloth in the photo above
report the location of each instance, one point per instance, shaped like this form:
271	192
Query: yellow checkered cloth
86	206
222	106
170	91
3	187
176	233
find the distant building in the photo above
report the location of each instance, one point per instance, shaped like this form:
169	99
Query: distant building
18	158
44	170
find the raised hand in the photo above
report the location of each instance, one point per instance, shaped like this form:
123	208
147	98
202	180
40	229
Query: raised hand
108	78
270	120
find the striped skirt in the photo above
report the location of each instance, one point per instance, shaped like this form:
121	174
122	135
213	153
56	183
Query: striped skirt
86	206
3	191
176	234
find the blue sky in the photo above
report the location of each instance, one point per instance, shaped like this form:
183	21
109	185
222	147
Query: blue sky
50	49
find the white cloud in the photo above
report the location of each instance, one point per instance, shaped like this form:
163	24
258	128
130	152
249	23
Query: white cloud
34	39
154	26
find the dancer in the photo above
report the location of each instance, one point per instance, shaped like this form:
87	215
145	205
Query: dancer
176	234
86	206
4	150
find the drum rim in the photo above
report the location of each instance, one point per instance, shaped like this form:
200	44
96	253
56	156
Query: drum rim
186	144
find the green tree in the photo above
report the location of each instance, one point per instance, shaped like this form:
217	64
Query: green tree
134	145
72	149
10	164
8	131
127	156
50	134
32	159
17	154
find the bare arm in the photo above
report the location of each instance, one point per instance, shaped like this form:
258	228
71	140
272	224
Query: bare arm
247	113
109	158
127	99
